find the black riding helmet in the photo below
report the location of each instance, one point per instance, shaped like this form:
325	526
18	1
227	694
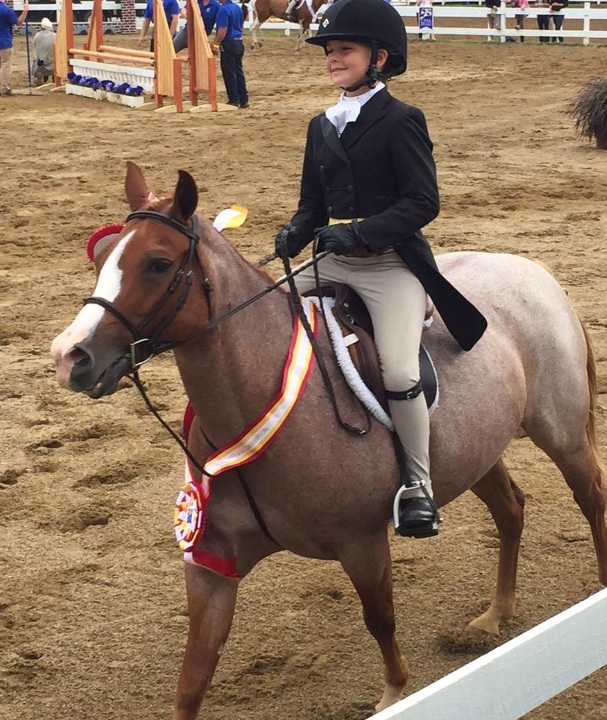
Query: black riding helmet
371	21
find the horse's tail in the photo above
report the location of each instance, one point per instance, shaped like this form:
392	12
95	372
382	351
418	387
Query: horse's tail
592	391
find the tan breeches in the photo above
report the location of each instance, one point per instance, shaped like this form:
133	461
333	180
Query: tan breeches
396	302
5	69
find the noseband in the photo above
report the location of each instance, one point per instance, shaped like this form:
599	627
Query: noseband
144	348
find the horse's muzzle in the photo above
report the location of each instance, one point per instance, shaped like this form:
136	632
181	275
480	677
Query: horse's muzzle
82	380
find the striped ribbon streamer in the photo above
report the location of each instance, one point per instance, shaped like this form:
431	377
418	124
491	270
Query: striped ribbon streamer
190	507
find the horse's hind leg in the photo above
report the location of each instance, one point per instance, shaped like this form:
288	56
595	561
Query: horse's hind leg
582	471
563	426
369	567
505	502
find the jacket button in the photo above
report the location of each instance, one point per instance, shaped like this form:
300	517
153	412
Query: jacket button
349	188
351	208
330	209
322	168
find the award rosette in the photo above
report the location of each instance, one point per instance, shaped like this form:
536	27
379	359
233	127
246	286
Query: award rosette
189	515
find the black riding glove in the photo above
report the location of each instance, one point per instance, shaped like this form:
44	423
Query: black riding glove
288	242
339	239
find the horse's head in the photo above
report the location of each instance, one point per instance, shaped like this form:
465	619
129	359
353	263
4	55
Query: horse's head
151	292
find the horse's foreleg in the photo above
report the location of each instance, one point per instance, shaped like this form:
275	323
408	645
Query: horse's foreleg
300	37
256	41
211	602
368	566
505	502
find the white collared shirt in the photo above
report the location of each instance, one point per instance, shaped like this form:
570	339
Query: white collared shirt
348	108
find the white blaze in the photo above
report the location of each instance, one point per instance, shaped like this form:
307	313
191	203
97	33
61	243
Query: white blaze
108	288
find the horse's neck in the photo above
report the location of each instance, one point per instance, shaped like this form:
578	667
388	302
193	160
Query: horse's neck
232	371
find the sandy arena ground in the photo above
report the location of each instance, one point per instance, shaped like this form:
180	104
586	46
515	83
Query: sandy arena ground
92	604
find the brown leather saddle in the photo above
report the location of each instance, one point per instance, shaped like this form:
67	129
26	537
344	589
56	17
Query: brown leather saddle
353	318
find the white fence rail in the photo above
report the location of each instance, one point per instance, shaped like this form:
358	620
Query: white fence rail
583	18
520	675
115	4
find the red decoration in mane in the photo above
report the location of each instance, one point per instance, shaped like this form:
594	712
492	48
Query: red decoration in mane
101	238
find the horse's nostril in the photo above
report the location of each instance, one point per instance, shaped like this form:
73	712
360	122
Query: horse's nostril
79	357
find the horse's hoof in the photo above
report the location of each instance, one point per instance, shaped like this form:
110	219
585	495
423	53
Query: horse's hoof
391	695
491	620
486	623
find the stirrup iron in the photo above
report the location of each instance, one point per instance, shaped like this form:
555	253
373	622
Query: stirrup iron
427	529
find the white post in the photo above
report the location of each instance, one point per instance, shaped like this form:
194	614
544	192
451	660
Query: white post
586	27
501	21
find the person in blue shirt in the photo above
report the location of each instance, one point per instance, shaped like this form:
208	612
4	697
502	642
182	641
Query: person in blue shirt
8	19
228	43
171	10
208	12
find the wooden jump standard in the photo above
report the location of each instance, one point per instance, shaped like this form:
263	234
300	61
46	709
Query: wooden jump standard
162	71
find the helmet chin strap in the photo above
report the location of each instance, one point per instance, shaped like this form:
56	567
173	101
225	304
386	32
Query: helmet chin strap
371	76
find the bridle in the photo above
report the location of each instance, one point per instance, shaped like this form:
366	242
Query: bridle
143	348
152	345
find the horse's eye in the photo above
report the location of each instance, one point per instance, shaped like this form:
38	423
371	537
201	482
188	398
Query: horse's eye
159	266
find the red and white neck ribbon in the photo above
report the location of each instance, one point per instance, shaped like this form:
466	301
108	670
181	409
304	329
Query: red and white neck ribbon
190	508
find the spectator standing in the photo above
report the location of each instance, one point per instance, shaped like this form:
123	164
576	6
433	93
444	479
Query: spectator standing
228	43
208	12
493	18
44	61
8	20
171	10
519	18
543	18
558	17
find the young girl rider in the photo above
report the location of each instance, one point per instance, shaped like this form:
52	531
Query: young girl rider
368	187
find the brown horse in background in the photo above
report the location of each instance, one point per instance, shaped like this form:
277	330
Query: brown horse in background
261	10
164	279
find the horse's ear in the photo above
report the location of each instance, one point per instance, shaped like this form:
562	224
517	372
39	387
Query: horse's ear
136	188
185	199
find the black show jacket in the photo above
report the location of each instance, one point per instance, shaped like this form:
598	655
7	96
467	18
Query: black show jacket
383	172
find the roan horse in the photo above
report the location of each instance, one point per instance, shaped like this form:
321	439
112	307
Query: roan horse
319	491
262	10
